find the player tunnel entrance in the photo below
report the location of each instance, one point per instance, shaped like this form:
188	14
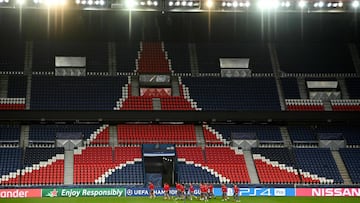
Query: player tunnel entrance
159	161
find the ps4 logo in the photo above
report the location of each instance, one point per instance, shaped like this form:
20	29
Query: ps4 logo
262	191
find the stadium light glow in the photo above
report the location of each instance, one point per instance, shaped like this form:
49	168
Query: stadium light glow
302	4
171	3
20	2
130	4
210	4
355	4
268	4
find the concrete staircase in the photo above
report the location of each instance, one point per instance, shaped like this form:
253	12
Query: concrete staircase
302	88
113	136
251	167
341	166
193	60
69	167
286	137
276	69
200	140
24	136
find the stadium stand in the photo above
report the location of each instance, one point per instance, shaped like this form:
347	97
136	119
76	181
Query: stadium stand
290	87
96	54
259	94
352	163
9	134
178	53
12	55
190	173
138	134
76	93
319	162
314	58
302	134
210	53
126	55
43	133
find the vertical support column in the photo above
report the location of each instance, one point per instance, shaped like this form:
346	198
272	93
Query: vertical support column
193	60
355	57
276	69
112	58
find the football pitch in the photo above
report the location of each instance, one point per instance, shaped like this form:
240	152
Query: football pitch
161	200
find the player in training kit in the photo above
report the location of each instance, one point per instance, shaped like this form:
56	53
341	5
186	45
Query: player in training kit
224	192
211	191
191	191
236	193
166	191
151	190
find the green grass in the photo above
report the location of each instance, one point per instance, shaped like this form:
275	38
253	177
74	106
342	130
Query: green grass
160	200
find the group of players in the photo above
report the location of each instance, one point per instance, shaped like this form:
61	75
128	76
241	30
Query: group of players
187	192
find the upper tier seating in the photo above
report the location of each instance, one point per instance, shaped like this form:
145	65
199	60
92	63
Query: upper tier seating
138	134
352	162
263	133
211	137
290	87
349	133
96	54
152	58
12	56
345	105
9	133
304	105
301	134
76	93
240	94
353	87
318	161
16	86
14	92
126	55
39	133
209	55
178	53
315	58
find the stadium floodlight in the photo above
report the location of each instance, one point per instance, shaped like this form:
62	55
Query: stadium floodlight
171	3
321	4
235	4
155	3
302	4
285	4
340	4
177	3
355	4
268	4
247	4
20	2
130	4
210	4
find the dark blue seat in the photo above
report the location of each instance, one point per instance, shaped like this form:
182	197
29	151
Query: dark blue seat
318	161
350	156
